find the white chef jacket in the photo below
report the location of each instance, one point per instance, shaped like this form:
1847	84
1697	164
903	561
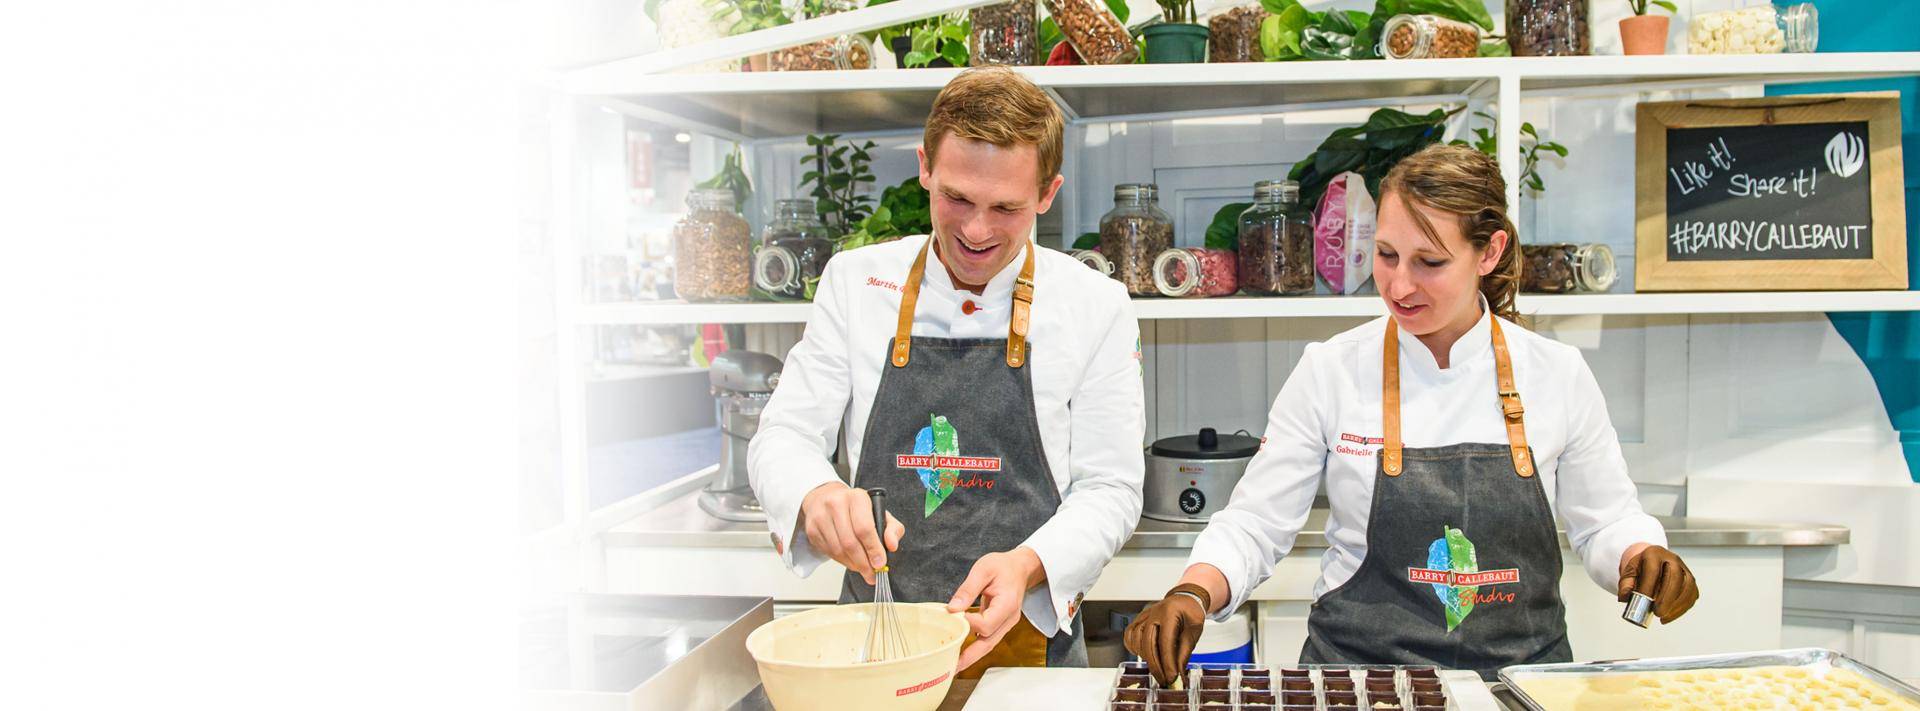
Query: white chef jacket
1087	392
1326	423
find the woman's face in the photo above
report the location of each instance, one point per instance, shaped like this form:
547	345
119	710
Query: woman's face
1429	289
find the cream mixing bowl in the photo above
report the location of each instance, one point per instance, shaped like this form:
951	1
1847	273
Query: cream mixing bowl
810	661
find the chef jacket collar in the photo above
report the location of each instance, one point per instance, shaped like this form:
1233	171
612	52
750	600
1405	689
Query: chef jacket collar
997	294
1475	342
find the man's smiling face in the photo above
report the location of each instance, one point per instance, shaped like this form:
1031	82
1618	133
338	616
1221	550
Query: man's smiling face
985	199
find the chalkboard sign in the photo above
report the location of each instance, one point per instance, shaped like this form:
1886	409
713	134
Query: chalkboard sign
1782	193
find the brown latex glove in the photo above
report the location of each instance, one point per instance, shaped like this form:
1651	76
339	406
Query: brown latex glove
1165	633
1658	573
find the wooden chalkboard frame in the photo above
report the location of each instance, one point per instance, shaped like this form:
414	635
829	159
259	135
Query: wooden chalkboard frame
1886	270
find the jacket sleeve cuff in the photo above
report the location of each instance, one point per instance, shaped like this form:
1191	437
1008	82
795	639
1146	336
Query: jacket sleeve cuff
1239	588
1603	555
783	520
1052	604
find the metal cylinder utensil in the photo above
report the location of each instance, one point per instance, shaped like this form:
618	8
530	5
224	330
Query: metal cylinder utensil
1639	607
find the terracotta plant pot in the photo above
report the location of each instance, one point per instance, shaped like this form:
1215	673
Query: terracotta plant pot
1644	34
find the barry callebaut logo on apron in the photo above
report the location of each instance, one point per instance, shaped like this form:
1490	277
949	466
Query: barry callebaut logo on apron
936	458
1453	569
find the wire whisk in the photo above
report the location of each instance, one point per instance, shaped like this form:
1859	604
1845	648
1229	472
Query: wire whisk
886	639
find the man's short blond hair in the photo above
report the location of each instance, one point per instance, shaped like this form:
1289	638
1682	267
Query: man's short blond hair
998	106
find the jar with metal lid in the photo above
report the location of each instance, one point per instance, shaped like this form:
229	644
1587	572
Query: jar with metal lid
1429	36
794	251
1276	241
1006	34
1548	28
1095	34
1766	29
712	249
1566	268
1196	271
843	52
1095	260
1233	33
1134	232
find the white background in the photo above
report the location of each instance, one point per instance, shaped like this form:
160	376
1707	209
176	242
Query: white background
256	366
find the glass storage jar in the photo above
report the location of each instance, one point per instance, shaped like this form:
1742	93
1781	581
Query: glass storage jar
1428	36
684	23
1006	34
1095	260
1766	29
844	52
1134	232
1566	268
711	249
1196	271
1548	28
1233	34
1276	241
794	251
1096	35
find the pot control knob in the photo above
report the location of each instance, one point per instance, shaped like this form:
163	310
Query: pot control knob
1192	501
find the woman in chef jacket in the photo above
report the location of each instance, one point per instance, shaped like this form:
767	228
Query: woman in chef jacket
1444	488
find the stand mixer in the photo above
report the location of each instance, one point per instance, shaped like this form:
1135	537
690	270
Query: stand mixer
742	383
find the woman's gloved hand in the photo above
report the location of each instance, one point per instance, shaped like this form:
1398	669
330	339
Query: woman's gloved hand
1658	573
1165	633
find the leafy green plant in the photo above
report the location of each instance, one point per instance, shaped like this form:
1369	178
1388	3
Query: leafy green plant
750	15
1640	6
1224	231
1487	141
733	177
1530	148
839	175
1292	32
1179	11
905	209
937	37
1370	149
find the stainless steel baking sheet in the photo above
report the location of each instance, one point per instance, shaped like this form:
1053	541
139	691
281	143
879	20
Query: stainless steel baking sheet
1810	657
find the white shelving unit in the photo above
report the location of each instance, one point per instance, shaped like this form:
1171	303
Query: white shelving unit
759	109
674	312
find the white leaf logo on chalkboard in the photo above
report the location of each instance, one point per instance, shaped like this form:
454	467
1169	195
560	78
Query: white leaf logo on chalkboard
1846	154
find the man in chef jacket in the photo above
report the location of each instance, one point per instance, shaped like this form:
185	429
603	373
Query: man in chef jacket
993	389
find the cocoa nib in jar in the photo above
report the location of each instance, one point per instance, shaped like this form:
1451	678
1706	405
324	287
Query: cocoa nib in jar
1233	34
1006	34
1548	28
1276	242
1133	233
1096	35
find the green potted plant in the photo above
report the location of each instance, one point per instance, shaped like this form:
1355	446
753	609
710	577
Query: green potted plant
1644	33
748	16
1176	39
938	41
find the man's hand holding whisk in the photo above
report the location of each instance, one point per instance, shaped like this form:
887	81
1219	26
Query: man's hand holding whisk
839	524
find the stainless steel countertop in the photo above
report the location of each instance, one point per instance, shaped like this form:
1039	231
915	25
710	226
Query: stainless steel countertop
680	523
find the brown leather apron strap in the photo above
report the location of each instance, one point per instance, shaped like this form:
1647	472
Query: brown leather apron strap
1017	324
1021	318
1023	646
1512	413
909	296
1390	401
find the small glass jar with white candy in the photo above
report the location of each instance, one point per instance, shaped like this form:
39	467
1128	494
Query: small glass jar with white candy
1765	29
